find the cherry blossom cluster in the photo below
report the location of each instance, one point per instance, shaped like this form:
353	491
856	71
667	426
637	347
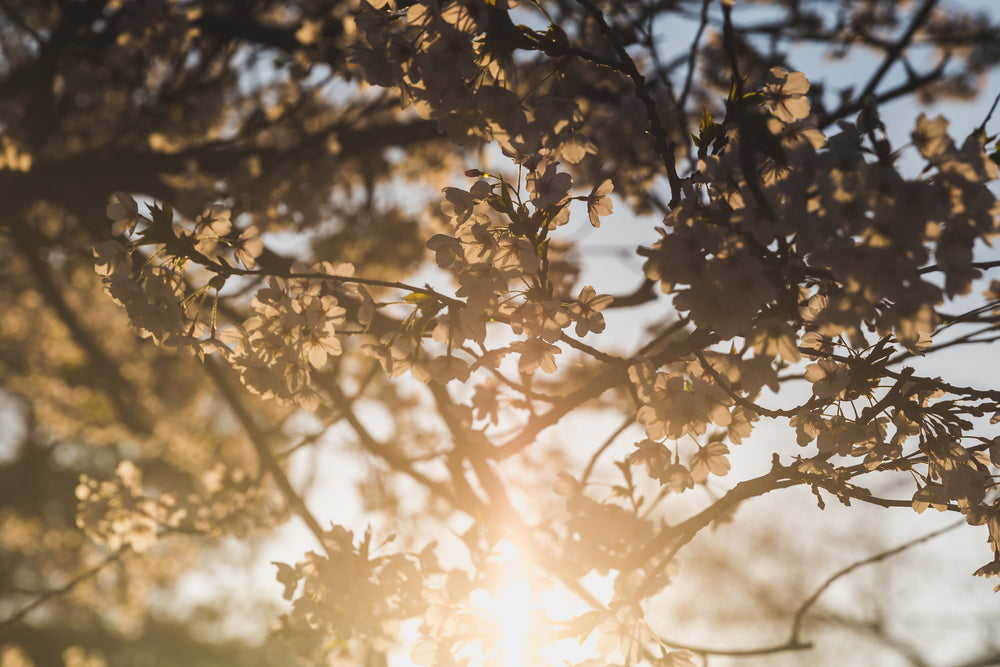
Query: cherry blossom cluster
154	290
783	245
451	62
350	591
292	331
788	244
118	513
499	254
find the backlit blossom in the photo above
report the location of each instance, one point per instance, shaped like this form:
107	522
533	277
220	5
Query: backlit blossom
586	310
712	458
785	95
111	258
215	221
249	247
124	213
535	354
547	185
829	378
599	202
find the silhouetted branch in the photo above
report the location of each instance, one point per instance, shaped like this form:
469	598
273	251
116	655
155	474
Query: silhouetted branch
896	50
659	133
260	443
811	600
62	590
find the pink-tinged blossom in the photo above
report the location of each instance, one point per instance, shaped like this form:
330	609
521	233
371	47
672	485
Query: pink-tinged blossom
446	249
599	202
124	213
548	187
535	354
586	311
785	95
249	247
457	205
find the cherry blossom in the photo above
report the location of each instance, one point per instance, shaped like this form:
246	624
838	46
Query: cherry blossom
586	310
785	95
124	213
599	202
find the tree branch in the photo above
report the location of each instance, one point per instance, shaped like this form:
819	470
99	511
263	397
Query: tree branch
62	590
659	133
259	440
811	600
896	50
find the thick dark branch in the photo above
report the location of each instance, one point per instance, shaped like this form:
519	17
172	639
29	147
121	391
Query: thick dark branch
642	294
676	537
40	71
238	26
896	50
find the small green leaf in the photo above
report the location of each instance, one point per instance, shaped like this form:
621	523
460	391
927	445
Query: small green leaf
508	204
498	204
416	298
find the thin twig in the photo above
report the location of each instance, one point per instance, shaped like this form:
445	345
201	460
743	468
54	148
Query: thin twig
600	450
665	150
387	453
692	57
746	652
747	403
976	265
260	443
63	590
811	600
982	126
905	88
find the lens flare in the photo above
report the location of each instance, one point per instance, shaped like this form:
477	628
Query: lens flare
521	607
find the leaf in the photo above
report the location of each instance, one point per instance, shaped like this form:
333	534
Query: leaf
498	204
416	298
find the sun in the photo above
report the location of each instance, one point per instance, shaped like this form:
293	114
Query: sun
516	617
522	608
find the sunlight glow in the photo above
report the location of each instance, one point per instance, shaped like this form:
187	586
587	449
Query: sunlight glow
511	609
521	607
